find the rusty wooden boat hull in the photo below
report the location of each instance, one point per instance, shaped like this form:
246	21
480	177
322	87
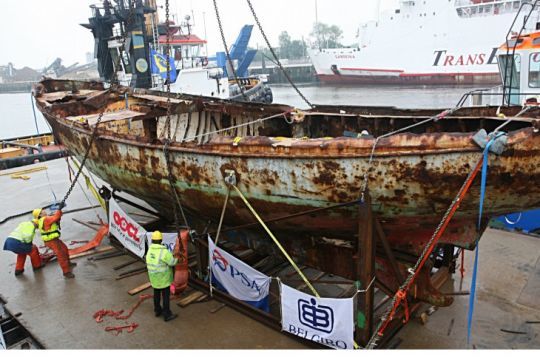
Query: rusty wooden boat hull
412	180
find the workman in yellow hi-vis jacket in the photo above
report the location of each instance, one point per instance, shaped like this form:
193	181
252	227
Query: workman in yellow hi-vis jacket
160	262
19	242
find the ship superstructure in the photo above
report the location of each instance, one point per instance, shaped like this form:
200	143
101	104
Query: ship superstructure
426	42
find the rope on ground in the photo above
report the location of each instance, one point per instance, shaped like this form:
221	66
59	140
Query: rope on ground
101	314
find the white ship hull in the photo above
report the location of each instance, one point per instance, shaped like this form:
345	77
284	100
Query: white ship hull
439	43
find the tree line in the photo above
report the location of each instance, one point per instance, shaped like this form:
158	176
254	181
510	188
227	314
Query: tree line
322	36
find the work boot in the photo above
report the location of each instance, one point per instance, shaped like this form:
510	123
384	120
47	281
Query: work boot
170	317
18	272
158	313
39	267
69	275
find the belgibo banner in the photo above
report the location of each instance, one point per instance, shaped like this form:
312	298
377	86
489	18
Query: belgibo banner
237	278
329	322
126	230
169	240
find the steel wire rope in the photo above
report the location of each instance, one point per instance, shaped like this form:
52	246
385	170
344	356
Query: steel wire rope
379	138
70	169
237	126
113	81
412	271
275	56
231	65
177	204
422	258
37	133
217	238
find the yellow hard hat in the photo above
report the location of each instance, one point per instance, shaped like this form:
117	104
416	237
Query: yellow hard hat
156	235
36	213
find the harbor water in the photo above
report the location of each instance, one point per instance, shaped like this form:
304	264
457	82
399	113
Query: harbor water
18	118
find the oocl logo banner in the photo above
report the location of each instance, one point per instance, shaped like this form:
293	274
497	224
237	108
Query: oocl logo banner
237	278
130	234
326	321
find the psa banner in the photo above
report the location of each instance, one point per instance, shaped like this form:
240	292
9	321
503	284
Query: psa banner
169	240
126	230
329	322
237	278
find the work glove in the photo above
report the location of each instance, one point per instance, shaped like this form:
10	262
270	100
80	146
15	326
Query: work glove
58	206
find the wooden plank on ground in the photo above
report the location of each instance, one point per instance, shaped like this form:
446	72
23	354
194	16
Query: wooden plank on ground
90	252
216	309
136	272
194	296
121	266
139	288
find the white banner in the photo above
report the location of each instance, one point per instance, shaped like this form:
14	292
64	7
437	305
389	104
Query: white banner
169	240
329	322
126	230
3	345
237	278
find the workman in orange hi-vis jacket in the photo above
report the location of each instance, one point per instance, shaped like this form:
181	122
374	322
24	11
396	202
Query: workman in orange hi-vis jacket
49	227
19	241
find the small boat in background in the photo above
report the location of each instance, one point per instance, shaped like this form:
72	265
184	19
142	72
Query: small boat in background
29	150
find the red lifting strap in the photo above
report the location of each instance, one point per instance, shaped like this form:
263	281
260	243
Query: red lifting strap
100	314
118	329
401	295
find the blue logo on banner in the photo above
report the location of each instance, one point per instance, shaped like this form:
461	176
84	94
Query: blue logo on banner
316	317
159	65
239	277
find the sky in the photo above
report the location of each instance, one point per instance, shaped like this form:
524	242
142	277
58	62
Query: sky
35	32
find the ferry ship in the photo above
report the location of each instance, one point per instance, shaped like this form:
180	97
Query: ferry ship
439	42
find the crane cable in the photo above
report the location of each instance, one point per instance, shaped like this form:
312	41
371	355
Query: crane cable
231	65
166	152
113	81
276	57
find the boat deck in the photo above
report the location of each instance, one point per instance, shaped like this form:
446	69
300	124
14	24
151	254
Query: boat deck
59	312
